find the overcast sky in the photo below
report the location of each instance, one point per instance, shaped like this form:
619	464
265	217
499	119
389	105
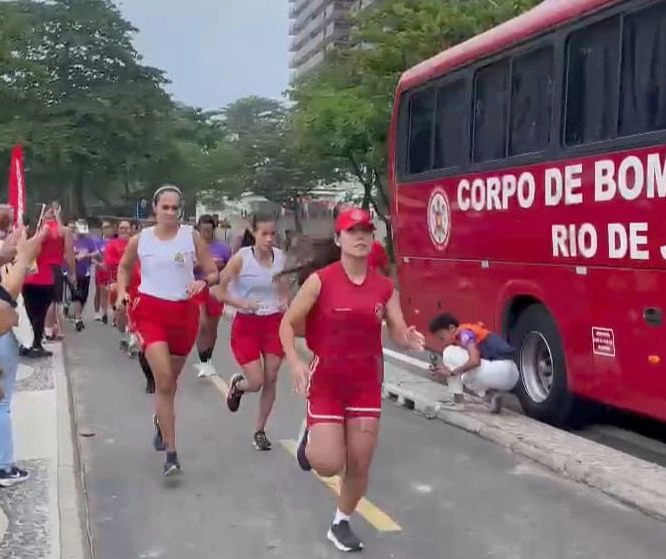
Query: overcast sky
214	51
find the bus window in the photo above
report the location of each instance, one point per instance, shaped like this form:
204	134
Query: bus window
592	76
531	101
421	109
643	78
491	88
450	125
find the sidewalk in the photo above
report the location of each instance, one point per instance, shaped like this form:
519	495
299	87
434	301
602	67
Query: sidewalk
41	518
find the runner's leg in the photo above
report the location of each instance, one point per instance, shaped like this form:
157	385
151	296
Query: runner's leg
270	372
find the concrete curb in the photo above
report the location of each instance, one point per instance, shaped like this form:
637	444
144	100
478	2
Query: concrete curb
4	524
632	481
74	541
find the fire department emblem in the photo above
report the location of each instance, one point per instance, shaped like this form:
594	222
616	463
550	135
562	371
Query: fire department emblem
439	218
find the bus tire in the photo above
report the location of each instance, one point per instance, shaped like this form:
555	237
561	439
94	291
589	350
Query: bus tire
542	388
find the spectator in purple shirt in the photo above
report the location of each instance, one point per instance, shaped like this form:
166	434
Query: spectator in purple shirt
86	250
211	308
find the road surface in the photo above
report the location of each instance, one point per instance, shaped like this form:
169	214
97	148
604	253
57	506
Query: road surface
435	491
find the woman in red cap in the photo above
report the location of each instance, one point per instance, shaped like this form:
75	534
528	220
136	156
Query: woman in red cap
165	311
343	306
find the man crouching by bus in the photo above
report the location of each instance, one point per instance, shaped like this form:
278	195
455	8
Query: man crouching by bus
483	359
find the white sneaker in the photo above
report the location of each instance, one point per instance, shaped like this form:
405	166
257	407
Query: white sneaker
98	317
206	370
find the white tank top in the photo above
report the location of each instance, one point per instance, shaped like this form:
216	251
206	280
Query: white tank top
255	282
167	267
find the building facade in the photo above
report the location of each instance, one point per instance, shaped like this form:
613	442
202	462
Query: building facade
315	26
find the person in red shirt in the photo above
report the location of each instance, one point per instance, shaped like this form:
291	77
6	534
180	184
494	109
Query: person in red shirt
43	288
343	306
113	254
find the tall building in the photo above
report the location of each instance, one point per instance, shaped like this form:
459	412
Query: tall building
315	26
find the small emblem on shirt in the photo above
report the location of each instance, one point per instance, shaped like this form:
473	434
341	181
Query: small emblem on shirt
179	257
380	311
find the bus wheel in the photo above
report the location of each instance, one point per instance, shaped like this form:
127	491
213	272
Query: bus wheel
542	388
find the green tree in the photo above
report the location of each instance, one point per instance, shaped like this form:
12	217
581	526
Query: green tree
344	107
263	152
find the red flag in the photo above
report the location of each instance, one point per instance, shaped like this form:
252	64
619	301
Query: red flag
17	184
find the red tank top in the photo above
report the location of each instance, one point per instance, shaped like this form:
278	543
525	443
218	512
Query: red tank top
53	246
112	254
346	320
51	254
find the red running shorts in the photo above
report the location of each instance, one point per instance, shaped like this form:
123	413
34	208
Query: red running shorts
175	323
255	335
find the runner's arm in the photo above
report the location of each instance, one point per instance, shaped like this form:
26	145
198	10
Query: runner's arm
126	266
405	336
221	290
205	260
293	319
70	257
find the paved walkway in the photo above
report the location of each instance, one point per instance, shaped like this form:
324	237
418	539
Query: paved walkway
40	518
436	490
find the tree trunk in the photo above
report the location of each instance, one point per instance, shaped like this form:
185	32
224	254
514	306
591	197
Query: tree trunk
79	201
298	218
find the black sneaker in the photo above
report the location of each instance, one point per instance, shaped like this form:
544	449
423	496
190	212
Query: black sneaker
105	319
301	457
13	477
234	395
261	441
158	441
171	465
79	325
342	537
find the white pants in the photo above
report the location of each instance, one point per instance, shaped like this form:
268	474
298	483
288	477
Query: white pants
489	375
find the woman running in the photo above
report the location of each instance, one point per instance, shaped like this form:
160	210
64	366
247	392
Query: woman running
210	308
85	251
113	254
102	279
343	306
260	301
165	313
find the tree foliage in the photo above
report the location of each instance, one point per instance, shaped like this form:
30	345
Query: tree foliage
343	108
96	122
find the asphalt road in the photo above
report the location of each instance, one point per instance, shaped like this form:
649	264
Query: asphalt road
435	491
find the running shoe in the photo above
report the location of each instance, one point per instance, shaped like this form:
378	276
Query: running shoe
342	537
206	370
234	394
301	457
260	441
78	324
171	465
98	317
105	319
13	477
158	441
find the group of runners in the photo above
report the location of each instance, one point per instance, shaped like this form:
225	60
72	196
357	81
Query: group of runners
169	284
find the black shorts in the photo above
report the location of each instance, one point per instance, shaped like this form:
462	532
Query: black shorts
58	283
82	291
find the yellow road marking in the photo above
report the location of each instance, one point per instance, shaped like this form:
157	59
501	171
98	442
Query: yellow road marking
219	383
377	518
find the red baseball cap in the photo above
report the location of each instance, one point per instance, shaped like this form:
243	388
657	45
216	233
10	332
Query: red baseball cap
353	217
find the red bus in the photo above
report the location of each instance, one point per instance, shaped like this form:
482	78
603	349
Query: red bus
528	177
